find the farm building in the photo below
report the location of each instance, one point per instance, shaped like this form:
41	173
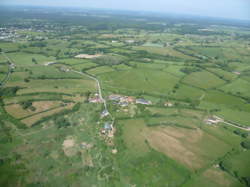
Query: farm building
143	102
95	100
104	113
108	126
123	104
114	97
168	104
49	63
213	120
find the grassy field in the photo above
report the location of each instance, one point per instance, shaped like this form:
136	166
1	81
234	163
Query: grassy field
203	80
140	80
243	88
22	59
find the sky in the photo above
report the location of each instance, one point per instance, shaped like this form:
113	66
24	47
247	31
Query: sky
237	9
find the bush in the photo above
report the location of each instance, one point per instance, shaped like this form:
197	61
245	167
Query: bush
61	122
26	104
9	91
246	144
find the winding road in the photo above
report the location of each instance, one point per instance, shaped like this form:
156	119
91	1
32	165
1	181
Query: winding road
10	63
99	91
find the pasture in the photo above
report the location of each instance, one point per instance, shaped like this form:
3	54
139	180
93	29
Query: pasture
203	79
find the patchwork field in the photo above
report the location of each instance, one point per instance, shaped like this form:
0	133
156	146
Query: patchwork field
203	79
161	101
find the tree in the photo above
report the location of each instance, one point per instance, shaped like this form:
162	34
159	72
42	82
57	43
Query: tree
34	61
26	104
246	144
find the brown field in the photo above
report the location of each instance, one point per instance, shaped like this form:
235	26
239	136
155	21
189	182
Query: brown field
189	147
31	120
17	111
169	141
194	148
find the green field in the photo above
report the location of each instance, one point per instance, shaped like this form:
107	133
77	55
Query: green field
203	80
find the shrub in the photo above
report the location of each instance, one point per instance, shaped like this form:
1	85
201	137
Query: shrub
246	144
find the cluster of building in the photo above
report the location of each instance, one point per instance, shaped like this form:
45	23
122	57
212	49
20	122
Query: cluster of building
8	34
126	100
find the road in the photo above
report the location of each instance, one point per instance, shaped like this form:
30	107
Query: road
233	124
236	126
11	64
99	91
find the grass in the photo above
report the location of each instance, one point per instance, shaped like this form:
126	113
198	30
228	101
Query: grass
229	76
100	70
51	72
174	141
174	69
164	51
17	111
239	87
240	163
140	158
240	117
203	79
188	92
223	100
9	46
214	177
24	59
140	80
31	120
57	86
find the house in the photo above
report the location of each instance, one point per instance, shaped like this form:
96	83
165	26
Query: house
168	104
104	113
127	99
123	104
108	126
130	41
143	102
95	100
114	97
63	69
130	99
49	63
213	120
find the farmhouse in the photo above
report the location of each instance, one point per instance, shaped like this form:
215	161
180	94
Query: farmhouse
95	100
143	102
49	63
114	97
104	113
168	104
127	99
123	104
130	41
213	120
108	126
121	100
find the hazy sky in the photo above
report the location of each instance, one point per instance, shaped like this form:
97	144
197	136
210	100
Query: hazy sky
239	9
